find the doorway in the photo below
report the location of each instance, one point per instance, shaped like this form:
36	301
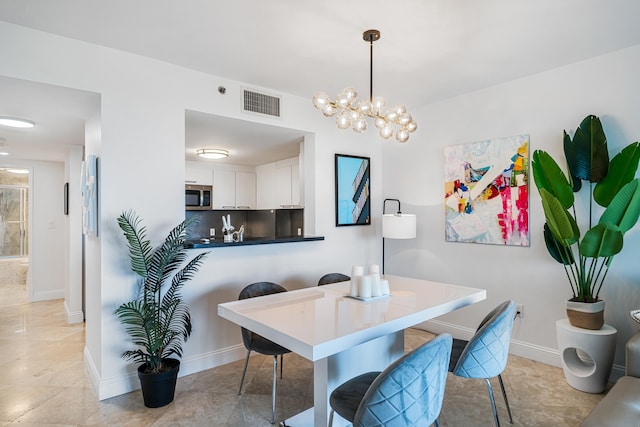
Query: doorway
14	250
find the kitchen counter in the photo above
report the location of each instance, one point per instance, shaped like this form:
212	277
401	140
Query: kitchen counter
217	243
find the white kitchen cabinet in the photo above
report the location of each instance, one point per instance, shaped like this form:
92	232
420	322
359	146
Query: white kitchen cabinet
266	186
195	174
234	189
245	190
288	183
278	184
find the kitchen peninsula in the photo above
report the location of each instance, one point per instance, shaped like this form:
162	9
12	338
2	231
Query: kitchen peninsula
261	226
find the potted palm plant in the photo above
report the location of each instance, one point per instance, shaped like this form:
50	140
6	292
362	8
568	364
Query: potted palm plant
157	320
611	185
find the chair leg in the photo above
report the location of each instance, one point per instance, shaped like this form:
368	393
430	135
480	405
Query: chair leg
273	394
281	364
244	371
493	403
331	418
506	401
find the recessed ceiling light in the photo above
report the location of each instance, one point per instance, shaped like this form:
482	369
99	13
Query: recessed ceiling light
212	153
16	122
20	171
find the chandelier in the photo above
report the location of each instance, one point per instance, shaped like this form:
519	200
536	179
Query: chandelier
351	113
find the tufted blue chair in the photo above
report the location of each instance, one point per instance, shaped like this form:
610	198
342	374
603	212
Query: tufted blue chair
258	343
485	354
408	393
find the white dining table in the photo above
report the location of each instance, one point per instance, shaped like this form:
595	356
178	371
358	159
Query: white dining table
343	336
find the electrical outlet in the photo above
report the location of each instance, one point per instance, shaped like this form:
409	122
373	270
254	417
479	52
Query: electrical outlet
212	232
519	310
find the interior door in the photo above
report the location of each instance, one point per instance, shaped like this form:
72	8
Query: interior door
13	221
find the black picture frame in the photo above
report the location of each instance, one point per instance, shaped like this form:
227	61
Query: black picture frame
353	190
66	198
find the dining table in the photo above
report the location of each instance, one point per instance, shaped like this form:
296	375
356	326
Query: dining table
345	336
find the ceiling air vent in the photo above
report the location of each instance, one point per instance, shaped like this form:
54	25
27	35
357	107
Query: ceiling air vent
260	103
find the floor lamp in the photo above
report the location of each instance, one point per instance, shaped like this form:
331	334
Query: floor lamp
396	225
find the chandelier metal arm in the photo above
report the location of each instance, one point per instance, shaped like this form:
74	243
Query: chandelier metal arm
371	36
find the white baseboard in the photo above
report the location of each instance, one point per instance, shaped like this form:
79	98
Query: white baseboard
213	359
546	355
94	376
73	316
48	295
115	386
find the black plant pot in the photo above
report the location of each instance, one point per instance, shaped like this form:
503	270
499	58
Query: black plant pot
158	389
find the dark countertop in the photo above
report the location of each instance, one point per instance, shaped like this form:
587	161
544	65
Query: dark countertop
217	243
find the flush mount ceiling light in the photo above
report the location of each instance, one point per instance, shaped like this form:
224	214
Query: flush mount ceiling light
212	153
350	113
16	122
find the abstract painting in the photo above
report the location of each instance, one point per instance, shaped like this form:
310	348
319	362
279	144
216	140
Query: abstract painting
487	191
89	187
353	201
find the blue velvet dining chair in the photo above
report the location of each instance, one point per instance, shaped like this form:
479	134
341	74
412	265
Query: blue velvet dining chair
407	393
259	344
485	354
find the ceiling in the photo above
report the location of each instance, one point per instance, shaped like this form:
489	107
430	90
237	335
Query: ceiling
429	50
248	143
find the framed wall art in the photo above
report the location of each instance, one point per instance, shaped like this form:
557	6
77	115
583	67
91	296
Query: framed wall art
89	186
353	181
487	191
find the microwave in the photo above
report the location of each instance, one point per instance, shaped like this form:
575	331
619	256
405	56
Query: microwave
198	197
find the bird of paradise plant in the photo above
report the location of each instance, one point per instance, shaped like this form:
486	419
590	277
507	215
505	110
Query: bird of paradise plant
612	185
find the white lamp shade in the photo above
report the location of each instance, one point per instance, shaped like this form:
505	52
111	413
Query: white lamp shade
399	226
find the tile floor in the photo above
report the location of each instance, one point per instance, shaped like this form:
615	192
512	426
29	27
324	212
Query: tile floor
45	384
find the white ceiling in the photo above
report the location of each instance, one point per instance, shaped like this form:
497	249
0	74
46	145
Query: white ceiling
429	49
248	143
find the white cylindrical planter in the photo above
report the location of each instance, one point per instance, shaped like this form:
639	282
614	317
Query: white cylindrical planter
587	355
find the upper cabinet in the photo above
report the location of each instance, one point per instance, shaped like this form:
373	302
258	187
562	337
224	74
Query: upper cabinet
288	183
278	184
196	174
266	186
234	189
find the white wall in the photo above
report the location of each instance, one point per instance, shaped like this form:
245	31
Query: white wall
47	240
139	140
73	241
541	106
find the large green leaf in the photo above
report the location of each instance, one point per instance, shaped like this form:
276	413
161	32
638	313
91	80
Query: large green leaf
587	154
548	175
562	225
576	183
621	171
624	209
139	247
556	249
603	240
